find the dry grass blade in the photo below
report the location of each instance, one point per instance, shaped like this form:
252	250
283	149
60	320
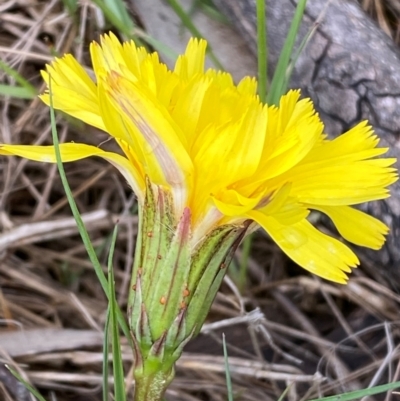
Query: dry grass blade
387	15
36	341
43	231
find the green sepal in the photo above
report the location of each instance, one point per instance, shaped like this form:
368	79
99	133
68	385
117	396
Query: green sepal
203	255
173	271
146	339
177	332
157	236
211	260
154	237
156	354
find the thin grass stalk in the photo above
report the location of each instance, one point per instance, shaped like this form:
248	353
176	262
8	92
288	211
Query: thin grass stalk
359	394
277	87
227	371
81	227
262	50
180	12
106	347
27	385
118	368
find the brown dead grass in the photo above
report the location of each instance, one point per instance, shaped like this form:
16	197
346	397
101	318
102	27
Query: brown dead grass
387	15
284	328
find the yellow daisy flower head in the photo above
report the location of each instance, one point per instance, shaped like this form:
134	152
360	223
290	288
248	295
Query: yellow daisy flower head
221	154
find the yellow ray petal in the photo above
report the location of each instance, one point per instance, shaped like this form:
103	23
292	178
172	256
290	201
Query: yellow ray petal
164	82
284	208
108	55
356	226
338	153
116	124
189	106
76	151
134	57
236	147
231	203
293	130
327	183
73	91
247	86
192	62
359	143
309	248
151	128
342	171
222	79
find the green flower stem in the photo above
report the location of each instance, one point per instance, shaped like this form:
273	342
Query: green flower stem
151	387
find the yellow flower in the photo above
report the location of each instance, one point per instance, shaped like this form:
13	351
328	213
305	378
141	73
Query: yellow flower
223	154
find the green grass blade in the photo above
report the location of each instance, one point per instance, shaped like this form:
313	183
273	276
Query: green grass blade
118	368
186	20
106	348
296	55
359	394
227	372
18	78
209	9
262	50
81	227
116	13
19	92
159	46
118	9
31	389
24	90
283	395
71	6
277	87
